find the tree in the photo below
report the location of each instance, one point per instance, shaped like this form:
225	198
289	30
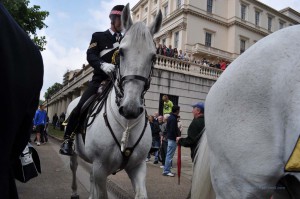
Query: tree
29	18
52	90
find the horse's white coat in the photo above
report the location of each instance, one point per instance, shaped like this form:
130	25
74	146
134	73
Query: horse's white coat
100	149
252	119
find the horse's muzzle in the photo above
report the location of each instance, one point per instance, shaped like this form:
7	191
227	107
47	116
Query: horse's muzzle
130	113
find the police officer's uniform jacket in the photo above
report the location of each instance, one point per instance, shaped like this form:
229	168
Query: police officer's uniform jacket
101	49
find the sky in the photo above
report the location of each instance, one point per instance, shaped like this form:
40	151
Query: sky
71	24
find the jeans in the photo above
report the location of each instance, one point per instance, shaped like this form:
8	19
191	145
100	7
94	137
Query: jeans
170	153
164	150
155	143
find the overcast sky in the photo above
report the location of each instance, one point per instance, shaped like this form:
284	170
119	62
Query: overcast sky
70	27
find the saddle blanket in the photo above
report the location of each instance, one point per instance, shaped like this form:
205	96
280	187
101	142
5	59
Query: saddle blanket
293	164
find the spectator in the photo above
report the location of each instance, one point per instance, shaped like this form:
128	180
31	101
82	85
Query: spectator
170	51
40	120
223	65
165	50
155	130
175	55
62	118
160	50
172	133
194	130
180	127
155	115
168	104
54	120
164	139
180	55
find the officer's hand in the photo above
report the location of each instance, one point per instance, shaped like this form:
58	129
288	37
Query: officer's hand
107	67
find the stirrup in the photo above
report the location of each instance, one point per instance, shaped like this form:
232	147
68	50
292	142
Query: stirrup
65	123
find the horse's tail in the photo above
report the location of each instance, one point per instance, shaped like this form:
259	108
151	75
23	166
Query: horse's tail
80	149
201	182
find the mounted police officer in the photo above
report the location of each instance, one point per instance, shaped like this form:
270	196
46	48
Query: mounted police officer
99	56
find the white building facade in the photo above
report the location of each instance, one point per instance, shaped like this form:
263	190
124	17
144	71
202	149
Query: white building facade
213	29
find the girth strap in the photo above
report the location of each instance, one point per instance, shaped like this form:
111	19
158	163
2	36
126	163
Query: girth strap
129	150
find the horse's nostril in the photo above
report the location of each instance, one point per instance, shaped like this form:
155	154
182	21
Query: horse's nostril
121	111
141	110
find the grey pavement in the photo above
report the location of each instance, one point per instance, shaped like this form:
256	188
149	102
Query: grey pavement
55	180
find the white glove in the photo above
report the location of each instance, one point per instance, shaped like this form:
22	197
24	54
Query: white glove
107	67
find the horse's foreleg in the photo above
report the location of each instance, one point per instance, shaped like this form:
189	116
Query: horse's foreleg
98	182
138	180
73	166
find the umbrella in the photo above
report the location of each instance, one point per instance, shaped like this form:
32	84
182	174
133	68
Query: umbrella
179	162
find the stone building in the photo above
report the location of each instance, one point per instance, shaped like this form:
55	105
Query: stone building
210	29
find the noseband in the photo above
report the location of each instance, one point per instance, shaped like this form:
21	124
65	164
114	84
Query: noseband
120	79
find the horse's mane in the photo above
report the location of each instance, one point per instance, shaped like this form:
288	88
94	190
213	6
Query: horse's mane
140	32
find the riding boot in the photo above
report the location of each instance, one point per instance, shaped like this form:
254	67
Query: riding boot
67	147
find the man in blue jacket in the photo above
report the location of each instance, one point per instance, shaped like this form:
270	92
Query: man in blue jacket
40	120
172	133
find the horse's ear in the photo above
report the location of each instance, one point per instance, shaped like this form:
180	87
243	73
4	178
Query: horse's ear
126	17
155	26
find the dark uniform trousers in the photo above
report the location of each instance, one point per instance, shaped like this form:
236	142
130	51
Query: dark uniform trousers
101	49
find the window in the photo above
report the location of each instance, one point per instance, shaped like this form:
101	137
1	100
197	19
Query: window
173	98
208	39
176	39
257	15
166	10
209	6
281	24
243	12
269	23
164	42
146	9
242	46
178	3
155	1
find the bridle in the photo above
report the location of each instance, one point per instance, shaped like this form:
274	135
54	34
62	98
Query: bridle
119	80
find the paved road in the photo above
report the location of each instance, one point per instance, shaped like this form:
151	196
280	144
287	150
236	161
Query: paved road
55	180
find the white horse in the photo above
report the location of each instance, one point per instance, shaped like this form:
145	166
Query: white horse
127	120
252	119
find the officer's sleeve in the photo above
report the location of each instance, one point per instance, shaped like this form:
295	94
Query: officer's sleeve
93	52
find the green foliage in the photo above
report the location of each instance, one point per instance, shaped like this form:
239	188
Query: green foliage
52	90
29	18
41	102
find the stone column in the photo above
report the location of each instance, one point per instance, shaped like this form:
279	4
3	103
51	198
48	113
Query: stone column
82	89
69	99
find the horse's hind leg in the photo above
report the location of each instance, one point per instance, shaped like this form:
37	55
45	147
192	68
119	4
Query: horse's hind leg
138	180
73	166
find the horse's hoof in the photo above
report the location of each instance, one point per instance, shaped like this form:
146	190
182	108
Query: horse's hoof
75	197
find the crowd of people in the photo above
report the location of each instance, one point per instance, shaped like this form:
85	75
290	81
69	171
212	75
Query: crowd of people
166	133
178	54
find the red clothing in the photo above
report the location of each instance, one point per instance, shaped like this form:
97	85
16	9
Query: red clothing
223	65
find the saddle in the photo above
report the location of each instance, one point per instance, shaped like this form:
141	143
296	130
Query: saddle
86	108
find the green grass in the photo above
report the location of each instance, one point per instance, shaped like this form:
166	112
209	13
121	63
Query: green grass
55	132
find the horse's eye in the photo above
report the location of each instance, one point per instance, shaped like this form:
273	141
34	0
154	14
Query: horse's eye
121	52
